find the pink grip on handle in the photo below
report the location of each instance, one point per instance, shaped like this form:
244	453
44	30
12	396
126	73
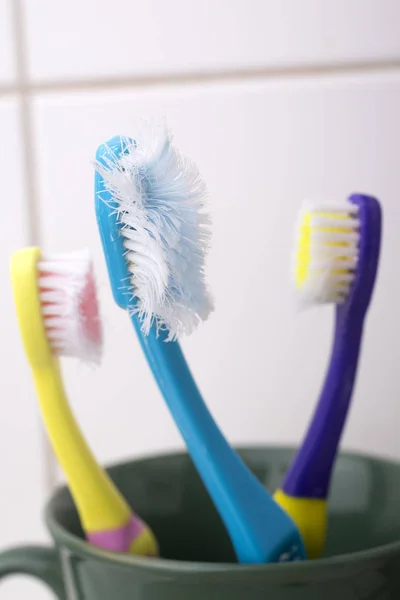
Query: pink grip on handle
119	539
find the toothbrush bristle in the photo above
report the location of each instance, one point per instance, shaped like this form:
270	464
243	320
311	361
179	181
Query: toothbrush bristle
69	307
327	252
160	200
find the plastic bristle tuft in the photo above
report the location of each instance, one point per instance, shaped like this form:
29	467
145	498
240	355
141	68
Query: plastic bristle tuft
69	305
327	251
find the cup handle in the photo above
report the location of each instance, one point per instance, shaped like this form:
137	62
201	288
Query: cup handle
40	562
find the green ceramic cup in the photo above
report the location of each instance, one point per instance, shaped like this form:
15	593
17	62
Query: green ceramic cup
361	561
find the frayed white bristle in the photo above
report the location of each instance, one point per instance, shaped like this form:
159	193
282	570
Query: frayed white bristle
161	208
69	307
326	255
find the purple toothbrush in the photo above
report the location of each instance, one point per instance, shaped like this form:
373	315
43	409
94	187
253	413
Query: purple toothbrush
336	262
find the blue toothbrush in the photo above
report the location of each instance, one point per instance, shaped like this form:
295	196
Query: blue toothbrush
259	529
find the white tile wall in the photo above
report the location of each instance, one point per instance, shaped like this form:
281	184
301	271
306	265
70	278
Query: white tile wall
326	124
21	453
262	147
7	62
123	38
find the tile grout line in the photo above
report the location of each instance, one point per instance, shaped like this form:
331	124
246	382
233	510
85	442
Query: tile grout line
27	87
31	194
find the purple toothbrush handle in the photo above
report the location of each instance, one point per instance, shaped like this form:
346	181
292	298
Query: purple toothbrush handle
310	473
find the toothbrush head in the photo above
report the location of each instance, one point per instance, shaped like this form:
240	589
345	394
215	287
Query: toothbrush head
150	203
56	303
69	306
337	253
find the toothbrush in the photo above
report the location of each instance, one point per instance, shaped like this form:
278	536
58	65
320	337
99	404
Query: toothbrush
149	202
336	262
56	304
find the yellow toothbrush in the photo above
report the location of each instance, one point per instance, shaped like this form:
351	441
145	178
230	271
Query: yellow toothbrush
56	304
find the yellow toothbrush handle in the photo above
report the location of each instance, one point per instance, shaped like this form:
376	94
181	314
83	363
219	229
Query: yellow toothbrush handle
99	503
310	516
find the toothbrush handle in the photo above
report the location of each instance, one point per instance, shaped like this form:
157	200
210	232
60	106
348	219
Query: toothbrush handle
251	516
310	473
100	504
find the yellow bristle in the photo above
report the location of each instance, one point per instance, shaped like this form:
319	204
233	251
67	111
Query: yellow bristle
303	252
313	221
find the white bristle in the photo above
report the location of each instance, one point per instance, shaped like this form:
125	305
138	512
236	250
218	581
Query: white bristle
69	305
161	201
326	261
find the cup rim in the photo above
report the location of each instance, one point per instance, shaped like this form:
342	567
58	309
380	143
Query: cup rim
82	548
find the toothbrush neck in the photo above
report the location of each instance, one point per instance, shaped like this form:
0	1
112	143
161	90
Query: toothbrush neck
310	473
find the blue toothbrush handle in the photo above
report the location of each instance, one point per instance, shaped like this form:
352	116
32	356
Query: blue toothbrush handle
260	531
310	473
